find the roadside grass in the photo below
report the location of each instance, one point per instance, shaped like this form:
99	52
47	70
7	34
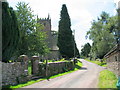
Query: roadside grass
61	60
107	79
77	67
22	84
97	62
105	65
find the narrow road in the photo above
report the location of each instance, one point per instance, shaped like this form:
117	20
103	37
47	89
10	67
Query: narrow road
86	77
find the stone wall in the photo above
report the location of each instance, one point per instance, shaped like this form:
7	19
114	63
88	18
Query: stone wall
52	68
114	67
14	73
58	67
17	72
113	63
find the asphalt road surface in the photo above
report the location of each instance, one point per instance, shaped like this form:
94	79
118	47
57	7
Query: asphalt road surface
86	77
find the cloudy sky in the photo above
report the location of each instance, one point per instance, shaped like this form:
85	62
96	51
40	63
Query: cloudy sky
81	12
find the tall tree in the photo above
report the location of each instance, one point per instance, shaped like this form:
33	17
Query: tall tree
65	38
26	23
76	52
10	32
32	38
102	35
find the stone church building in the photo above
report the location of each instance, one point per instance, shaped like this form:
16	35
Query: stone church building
51	38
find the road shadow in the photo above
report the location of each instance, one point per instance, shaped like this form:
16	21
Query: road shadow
83	68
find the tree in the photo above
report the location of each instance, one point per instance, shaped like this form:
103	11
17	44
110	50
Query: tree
26	23
102	35
65	39
10	32
32	38
37	43
118	27
77	54
85	51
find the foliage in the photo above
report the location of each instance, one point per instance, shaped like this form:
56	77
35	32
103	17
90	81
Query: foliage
26	26
86	50
118	27
10	32
102	35
107	79
37	44
77	54
65	38
32	38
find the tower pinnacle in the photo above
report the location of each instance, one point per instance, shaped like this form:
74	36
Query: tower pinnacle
48	16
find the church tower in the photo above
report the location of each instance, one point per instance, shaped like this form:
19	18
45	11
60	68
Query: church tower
47	28
51	38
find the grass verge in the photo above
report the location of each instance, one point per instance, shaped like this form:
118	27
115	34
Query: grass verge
97	62
22	85
107	79
77	67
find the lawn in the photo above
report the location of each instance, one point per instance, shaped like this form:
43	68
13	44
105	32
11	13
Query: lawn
107	79
29	68
97	62
61	60
77	67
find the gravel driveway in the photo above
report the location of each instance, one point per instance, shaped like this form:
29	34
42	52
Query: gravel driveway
86	77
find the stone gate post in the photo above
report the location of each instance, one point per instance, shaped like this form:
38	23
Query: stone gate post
35	65
24	61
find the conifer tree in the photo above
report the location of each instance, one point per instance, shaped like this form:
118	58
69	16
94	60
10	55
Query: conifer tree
10	32
65	38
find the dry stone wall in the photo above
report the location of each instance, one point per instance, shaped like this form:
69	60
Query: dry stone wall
17	72
53	68
114	67
113	63
59	67
14	73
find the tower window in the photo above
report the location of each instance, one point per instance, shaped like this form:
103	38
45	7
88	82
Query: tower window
44	24
115	58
